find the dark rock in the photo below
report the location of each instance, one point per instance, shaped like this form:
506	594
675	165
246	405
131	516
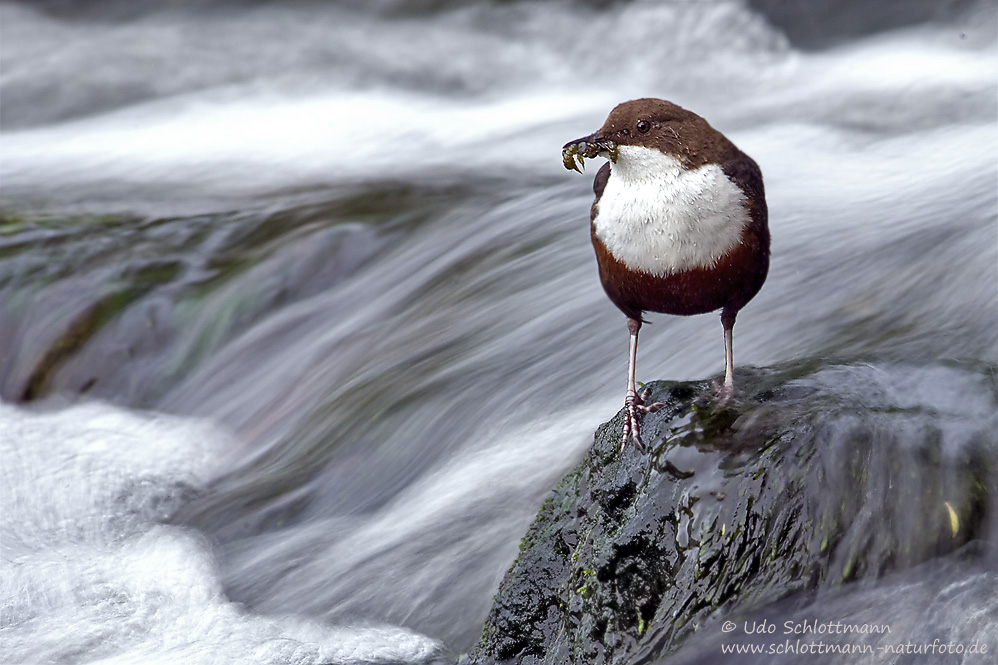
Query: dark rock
944	611
812	480
819	24
109	305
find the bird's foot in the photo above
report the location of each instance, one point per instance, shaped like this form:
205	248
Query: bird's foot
725	393
633	405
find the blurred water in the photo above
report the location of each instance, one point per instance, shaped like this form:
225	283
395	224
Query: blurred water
343	235
89	575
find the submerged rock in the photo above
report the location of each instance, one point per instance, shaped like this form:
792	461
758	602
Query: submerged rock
814	479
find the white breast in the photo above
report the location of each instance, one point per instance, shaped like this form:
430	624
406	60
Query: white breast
657	217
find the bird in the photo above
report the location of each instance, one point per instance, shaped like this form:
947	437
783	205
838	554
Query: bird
680	226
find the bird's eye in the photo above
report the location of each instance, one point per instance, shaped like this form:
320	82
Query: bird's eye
643	126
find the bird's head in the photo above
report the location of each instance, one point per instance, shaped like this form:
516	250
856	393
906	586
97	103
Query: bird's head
648	123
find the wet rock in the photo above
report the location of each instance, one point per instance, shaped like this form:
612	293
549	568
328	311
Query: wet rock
825	23
122	308
944	611
814	479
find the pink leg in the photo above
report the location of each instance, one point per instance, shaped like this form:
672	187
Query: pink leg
728	389
634	403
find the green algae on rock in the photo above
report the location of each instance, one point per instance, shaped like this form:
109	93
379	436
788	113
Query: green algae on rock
814	479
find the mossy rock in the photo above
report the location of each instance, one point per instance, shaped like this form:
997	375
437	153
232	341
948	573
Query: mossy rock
812	478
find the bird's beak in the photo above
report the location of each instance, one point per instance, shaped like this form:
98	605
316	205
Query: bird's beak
575	152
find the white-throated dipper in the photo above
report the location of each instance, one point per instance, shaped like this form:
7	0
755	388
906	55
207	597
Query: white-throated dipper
679	224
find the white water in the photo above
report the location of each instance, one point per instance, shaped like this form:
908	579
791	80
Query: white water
880	165
500	99
90	574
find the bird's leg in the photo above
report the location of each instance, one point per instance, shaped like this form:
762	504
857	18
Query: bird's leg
634	403
727	390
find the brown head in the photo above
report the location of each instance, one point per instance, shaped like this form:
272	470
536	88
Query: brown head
653	123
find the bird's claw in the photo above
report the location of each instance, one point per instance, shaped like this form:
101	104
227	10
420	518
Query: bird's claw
725	393
633	405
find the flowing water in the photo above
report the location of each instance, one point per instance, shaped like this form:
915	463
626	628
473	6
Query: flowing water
299	320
